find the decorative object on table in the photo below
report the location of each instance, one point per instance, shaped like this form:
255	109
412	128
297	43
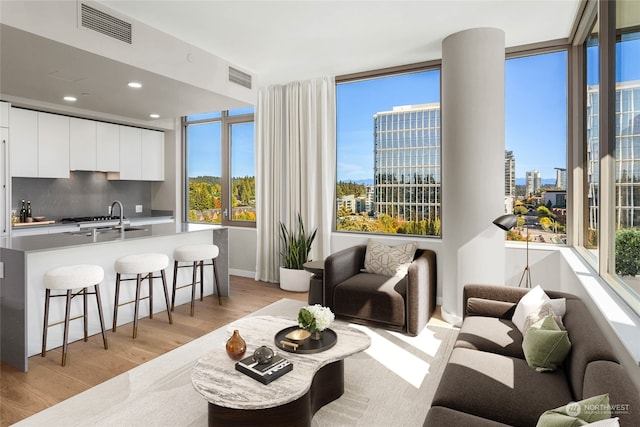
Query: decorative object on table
507	222
263	355
236	347
306	346
296	245
264	372
315	318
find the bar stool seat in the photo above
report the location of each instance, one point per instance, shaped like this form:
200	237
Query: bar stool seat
67	278
143	267
195	255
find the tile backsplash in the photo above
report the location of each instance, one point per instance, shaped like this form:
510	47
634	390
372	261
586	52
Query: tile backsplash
83	194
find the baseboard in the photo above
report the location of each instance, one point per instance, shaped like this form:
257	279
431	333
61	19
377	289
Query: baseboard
242	273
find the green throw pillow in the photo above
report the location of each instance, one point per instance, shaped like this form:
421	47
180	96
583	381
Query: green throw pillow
545	345
577	413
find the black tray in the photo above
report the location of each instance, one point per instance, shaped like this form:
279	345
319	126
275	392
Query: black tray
308	346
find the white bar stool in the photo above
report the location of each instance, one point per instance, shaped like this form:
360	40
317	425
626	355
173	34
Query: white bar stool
68	278
140	264
195	254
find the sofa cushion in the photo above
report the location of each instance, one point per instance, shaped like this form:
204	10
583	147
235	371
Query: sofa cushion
491	308
545	345
439	416
577	413
372	297
491	334
609	377
388	260
588	344
499	388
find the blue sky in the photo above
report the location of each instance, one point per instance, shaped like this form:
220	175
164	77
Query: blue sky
535	105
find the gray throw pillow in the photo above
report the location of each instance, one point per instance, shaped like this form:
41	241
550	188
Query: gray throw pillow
388	260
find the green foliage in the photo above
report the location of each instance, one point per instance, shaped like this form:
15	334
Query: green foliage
628	252
296	245
347	188
205	199
543	211
390	225
306	319
520	210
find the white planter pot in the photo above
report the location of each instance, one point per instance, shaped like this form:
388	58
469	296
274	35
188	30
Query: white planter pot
294	280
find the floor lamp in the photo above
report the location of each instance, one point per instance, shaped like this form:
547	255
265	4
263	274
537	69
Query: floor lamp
507	222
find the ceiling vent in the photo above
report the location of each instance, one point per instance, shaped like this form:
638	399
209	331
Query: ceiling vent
238	77
104	23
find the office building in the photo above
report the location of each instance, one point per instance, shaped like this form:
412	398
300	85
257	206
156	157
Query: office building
534	182
509	174
561	178
407	162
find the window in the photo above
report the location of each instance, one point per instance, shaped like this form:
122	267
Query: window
536	146
388	154
219	169
611	201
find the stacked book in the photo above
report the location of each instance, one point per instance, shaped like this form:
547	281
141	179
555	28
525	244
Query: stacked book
267	372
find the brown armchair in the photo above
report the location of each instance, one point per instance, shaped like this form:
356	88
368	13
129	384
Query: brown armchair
396	303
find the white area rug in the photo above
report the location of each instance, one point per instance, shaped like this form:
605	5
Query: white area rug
391	384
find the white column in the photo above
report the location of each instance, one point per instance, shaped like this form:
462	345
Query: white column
472	163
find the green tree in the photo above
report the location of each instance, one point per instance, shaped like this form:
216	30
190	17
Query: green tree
628	252
520	210
543	211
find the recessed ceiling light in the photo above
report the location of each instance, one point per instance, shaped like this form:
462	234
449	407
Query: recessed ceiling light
135	85
154	116
70	98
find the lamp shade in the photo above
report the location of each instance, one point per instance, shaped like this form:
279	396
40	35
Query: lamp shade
506	221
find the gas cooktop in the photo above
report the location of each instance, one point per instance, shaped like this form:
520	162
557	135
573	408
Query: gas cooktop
90	219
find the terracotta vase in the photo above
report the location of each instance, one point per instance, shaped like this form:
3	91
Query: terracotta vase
236	347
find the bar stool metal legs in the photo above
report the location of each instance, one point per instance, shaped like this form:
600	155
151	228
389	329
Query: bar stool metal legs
195	255
142	266
69	278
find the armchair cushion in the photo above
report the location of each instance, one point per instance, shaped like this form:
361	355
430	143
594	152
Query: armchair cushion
372	297
388	260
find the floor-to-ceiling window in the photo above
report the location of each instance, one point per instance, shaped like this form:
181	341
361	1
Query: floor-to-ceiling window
388	154
536	145
220	167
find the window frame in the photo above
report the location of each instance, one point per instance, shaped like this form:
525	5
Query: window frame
226	120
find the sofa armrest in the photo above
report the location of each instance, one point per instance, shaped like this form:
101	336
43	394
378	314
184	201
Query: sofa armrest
421	291
338	267
505	294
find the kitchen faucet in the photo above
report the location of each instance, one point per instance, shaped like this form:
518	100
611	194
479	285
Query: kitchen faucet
119	203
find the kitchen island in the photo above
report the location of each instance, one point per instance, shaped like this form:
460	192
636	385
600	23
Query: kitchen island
24	260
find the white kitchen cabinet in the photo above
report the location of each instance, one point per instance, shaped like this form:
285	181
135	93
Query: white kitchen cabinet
152	155
130	153
82	144
23	134
4	114
107	147
5	182
53	146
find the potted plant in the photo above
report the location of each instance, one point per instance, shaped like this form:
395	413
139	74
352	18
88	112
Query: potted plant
295	252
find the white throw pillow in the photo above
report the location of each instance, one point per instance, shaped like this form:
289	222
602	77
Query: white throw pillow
528	304
543	311
388	260
559	306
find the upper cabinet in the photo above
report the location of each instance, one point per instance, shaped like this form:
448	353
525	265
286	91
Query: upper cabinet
4	114
108	147
53	146
82	145
152	155
45	145
23	134
39	144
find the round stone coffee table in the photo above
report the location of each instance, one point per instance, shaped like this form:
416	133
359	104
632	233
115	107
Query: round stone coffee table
235	399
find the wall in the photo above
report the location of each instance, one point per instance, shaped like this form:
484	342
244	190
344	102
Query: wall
83	194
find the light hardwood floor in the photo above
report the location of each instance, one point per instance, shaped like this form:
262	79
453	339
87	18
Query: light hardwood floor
88	364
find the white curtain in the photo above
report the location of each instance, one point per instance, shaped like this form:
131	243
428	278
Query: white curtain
295	167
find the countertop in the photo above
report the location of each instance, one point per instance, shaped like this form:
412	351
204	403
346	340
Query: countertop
45	242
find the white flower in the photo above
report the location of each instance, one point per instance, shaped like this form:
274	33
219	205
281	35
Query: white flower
322	315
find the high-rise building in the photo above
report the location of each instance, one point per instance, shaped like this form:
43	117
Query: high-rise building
534	182
407	162
627	162
561	178
509	173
